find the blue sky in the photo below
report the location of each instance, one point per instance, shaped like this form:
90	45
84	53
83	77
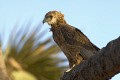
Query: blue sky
98	19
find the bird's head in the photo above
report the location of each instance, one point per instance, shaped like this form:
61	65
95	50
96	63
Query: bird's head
53	17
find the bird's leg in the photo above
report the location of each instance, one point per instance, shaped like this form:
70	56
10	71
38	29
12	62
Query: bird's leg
70	68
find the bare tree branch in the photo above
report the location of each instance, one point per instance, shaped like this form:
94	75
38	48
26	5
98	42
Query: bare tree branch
102	66
3	72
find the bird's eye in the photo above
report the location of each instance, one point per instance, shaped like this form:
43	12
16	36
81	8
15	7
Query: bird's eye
50	16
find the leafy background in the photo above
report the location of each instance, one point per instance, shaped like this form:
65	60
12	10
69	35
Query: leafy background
29	58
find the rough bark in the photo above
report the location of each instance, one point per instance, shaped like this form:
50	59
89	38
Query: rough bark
102	66
3	72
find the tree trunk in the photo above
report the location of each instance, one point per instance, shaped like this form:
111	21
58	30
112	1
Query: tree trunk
102	66
3	72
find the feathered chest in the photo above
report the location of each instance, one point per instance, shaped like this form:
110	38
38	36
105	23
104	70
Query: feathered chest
58	37
62	36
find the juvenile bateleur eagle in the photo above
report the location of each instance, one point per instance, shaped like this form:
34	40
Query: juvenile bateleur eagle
74	44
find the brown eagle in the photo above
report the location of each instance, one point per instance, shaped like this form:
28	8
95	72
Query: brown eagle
75	45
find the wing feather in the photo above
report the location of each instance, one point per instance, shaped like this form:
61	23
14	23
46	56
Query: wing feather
75	37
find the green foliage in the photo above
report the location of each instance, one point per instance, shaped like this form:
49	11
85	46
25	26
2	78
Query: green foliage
27	53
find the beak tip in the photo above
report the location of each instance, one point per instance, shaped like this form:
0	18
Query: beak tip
43	22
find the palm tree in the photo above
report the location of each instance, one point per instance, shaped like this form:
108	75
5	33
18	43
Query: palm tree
28	57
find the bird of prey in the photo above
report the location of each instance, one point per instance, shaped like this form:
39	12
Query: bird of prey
74	44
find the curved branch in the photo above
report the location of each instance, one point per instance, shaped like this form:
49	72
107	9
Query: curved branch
102	66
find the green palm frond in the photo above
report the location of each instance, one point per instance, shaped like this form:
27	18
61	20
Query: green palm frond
25	52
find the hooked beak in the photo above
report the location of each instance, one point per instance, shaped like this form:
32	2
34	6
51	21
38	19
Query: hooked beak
44	20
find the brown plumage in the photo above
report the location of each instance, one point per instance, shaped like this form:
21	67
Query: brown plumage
75	45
